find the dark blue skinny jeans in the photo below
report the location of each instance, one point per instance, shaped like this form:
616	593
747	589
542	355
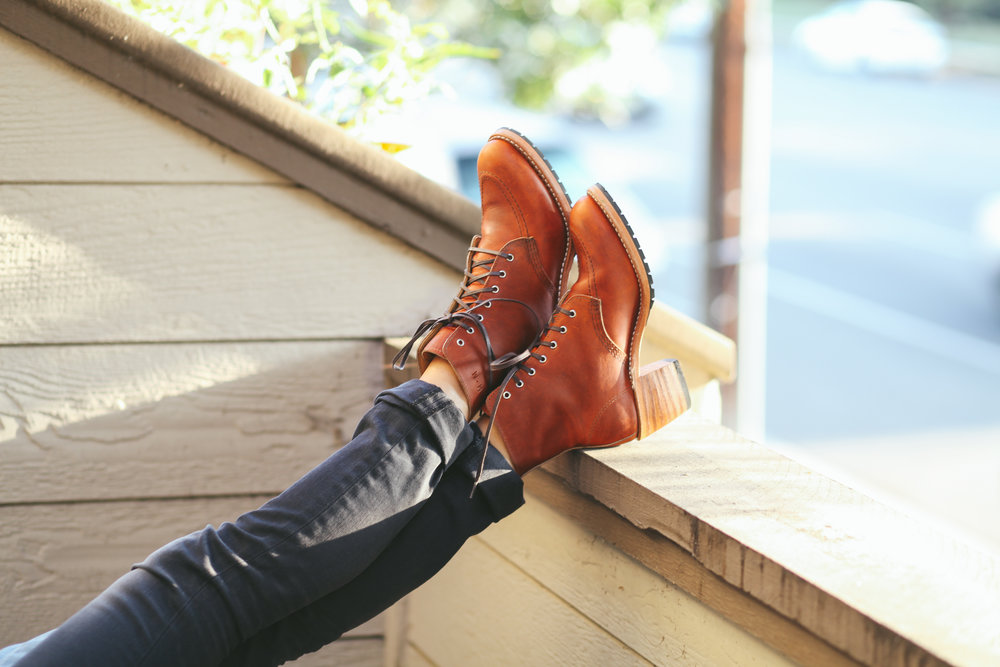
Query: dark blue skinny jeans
355	534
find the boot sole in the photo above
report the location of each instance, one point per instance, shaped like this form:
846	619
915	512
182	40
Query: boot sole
545	171
661	393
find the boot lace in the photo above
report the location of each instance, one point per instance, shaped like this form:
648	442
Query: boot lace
515	362
473	296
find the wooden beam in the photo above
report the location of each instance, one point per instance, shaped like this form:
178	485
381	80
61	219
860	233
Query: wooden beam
877	586
725	179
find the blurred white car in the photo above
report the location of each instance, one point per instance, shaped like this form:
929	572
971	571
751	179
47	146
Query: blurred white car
880	36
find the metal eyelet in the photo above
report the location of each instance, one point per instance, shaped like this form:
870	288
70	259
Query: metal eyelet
531	371
510	257
572	313
503	274
496	289
460	342
518	383
543	359
489	304
553	345
506	394
563	329
479	317
470	330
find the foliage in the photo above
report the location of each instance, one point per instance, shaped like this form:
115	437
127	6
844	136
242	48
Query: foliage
586	56
347	60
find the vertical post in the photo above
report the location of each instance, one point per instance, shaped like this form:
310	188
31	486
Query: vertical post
725	181
752	363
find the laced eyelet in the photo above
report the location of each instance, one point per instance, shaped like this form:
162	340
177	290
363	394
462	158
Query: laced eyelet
470	330
563	329
503	274
531	371
489	304
506	394
510	257
553	345
518	383
572	313
479	317
496	289
543	359
460	342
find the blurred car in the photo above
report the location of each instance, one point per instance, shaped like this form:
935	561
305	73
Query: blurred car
879	36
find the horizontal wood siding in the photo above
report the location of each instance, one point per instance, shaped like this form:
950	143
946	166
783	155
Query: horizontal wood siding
537	589
57	557
482	610
183	333
99	422
59	125
113	262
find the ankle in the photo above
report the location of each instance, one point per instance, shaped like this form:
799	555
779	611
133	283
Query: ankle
440	373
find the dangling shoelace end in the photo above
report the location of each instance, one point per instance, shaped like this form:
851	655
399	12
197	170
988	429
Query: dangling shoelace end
399	361
512	361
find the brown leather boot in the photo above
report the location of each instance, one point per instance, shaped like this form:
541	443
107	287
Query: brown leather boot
581	385
515	272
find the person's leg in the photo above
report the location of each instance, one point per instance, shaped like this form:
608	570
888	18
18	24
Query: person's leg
417	552
515	272
194	600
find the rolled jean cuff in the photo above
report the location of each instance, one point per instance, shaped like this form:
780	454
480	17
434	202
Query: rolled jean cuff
423	399
501	487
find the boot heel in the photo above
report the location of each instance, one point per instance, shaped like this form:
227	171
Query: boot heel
661	395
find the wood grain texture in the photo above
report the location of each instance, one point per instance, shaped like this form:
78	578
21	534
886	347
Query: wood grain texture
412	657
138	421
62	125
55	558
482	610
677	566
360	652
637	606
202	262
866	579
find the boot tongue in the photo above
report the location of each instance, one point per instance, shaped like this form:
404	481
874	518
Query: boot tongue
492	238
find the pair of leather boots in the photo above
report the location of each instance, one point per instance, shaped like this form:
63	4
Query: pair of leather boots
553	369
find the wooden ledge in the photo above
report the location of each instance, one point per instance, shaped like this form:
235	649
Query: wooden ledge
816	570
705	354
170	77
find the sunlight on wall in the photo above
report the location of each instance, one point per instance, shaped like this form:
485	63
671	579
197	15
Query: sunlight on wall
34	267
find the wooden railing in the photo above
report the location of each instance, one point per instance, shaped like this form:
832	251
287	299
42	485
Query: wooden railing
698	546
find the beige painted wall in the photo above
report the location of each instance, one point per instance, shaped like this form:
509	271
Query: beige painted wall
183	333
538	589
